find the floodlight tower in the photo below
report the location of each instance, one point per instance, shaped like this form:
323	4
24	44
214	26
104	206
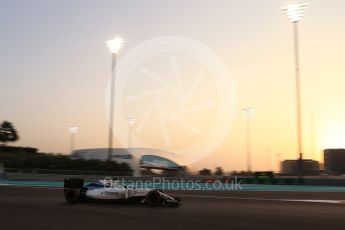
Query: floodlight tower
114	47
130	123
294	13
248	114
72	131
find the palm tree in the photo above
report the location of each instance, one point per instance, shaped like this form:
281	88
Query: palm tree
205	172
8	133
219	171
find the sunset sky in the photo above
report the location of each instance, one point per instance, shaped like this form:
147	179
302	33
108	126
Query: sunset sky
55	67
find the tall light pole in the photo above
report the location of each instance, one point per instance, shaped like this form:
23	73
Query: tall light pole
130	123
72	131
312	135
295	12
114	47
268	156
248	114
278	162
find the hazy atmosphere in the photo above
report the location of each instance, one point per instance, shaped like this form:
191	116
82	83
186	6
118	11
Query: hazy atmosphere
172	114
55	68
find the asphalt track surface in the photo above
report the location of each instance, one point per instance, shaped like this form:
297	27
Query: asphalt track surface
44	208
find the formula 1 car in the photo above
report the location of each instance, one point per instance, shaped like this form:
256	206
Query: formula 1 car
75	191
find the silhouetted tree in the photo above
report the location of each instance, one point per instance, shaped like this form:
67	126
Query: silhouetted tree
29	158
205	172
219	171
8	133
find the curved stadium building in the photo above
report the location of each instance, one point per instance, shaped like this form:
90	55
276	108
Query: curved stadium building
137	158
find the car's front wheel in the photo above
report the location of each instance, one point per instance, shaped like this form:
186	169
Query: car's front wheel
153	198
72	195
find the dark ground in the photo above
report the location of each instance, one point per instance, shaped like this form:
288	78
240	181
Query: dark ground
38	208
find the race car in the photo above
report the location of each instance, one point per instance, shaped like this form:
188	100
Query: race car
111	190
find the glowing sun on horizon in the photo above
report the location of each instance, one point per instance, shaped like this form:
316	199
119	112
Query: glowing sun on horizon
334	135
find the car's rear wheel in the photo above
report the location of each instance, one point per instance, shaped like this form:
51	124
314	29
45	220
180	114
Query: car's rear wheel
153	198
72	195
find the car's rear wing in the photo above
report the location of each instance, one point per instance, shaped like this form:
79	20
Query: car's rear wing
73	183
